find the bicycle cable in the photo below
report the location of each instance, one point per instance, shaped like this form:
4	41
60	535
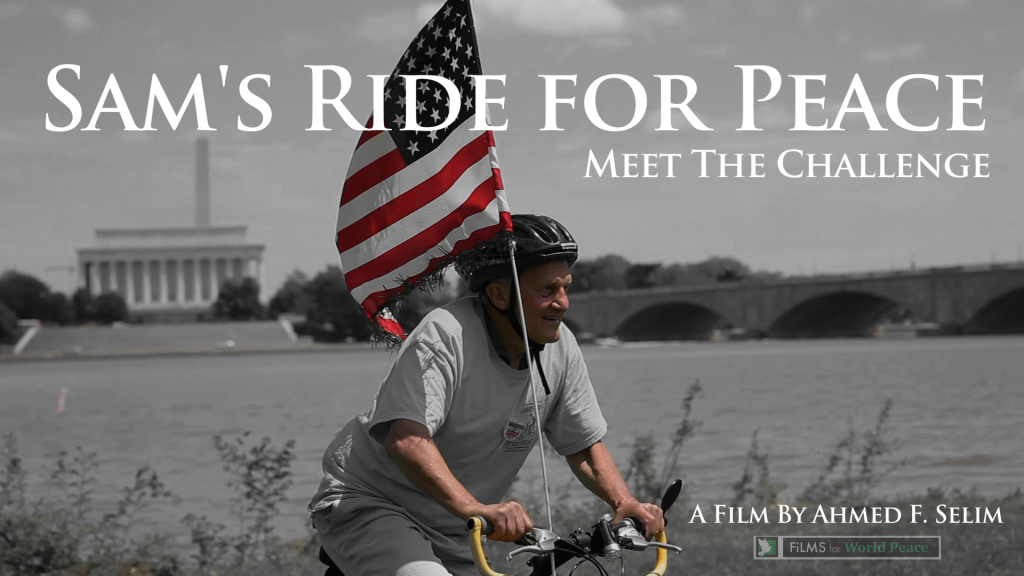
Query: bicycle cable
592	560
584	557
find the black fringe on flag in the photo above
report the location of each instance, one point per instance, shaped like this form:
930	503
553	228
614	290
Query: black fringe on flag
379	335
464	262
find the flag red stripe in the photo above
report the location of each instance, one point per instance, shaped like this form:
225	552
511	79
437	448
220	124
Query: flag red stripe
366	135
391	326
371	175
411	175
430	236
497	172
416	266
505	219
497	179
373	302
413	199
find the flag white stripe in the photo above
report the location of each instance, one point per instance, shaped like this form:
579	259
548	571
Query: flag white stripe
408	178
419	220
371	150
487	217
499	195
493	154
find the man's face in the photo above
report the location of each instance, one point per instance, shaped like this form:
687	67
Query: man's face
545	299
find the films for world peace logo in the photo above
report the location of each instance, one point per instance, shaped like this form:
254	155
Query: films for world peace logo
767	547
848	547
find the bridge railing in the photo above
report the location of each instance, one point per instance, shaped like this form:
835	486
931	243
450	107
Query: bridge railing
815	279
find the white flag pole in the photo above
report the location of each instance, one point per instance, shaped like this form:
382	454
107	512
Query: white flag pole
526	337
533	388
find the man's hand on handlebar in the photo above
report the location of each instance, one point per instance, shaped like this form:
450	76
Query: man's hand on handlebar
650	515
509	519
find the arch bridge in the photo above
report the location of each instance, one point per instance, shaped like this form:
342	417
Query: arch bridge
959	300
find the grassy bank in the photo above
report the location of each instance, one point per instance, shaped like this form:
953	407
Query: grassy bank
64	530
67	531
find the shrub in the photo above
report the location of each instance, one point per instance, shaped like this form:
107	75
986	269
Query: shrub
110	307
291	297
756	491
334	316
648	482
26	295
30	298
260	476
849	478
65	533
9	331
238	300
83	306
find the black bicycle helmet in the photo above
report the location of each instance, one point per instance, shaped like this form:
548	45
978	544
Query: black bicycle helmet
539	239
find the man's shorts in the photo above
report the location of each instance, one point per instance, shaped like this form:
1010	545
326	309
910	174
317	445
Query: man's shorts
367	536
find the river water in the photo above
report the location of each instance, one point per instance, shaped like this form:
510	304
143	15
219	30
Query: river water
957	416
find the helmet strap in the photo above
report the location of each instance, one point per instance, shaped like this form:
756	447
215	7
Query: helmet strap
533	348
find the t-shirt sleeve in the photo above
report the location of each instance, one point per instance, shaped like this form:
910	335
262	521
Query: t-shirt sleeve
418	388
575	421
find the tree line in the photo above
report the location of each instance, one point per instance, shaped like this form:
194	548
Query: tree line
331	315
613	272
25	297
324	308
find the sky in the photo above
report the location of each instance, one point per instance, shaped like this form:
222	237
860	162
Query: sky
284	182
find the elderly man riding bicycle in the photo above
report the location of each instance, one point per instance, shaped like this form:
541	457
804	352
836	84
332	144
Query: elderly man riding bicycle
453	422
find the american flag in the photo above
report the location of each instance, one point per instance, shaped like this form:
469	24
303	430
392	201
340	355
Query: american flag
414	200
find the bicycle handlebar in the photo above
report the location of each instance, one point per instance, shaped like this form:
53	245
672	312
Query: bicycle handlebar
540	541
475	526
659	568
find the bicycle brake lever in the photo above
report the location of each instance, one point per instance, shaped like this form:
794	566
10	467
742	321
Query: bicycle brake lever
531	549
543	542
630	538
666	546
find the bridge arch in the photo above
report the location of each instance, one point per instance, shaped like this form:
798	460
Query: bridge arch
842	314
1004	314
670	321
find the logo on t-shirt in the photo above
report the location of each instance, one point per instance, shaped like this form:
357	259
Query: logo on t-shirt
521	431
515	429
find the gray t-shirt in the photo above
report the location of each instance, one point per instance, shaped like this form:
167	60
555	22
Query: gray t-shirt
478	409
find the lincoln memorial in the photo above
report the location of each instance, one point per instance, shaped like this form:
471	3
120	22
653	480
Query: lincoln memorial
171	273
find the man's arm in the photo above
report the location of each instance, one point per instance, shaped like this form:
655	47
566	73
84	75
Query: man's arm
410	445
596	469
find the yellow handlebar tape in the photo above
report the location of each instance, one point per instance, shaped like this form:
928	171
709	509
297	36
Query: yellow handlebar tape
659	568
478	549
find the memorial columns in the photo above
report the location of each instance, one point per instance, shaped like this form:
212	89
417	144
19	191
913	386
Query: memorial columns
214	288
181	280
129	280
260	278
147	284
161	267
112	273
88	270
197	288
